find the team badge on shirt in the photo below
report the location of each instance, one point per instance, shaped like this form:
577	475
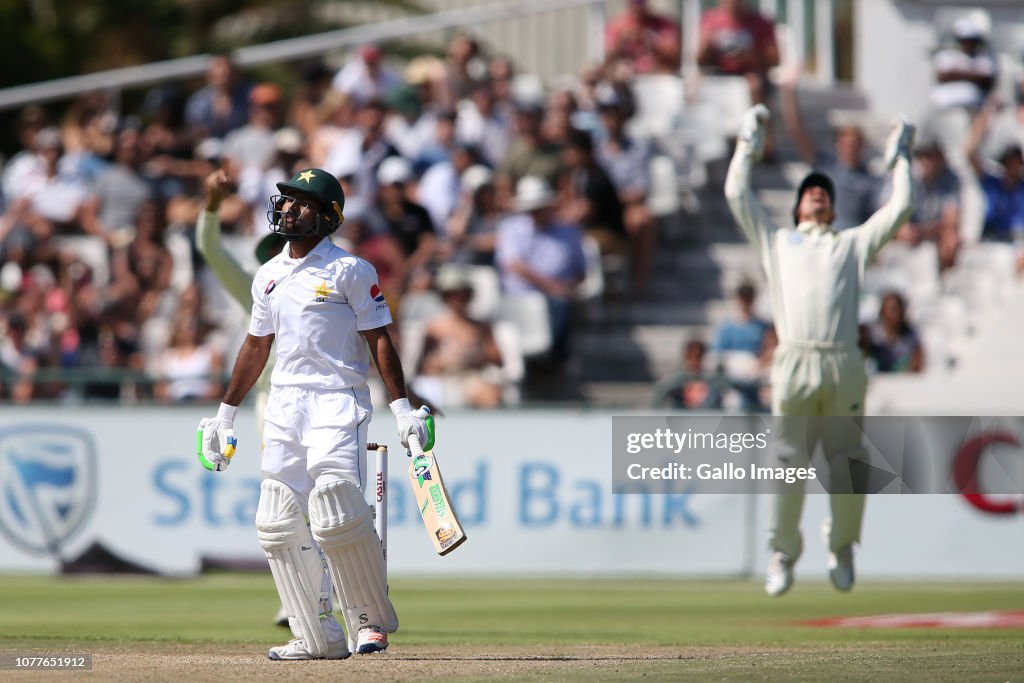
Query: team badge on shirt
377	295
270	287
322	292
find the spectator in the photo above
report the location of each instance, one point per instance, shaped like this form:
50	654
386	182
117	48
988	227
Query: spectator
538	253
460	357
119	193
530	153
965	72
627	161
221	105
1004	193
936	215
473	227
62	194
857	188
482	124
365	78
408	222
356	156
650	43
590	199
745	333
739	344
189	368
304	107
251	147
692	388
894	344
19	359
738	41
23	173
465	67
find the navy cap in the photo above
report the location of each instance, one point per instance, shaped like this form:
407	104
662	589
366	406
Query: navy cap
814	179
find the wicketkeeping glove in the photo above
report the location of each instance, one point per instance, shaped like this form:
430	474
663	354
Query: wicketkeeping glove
899	143
215	439
411	421
752	129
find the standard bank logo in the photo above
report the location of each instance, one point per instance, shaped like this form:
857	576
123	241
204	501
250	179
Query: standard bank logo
48	485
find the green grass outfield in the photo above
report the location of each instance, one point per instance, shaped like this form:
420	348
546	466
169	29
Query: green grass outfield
688	630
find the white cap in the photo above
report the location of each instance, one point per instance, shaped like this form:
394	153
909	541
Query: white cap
475	177
532	192
288	140
394	170
968	28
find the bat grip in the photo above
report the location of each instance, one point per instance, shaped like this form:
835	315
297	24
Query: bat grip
415	447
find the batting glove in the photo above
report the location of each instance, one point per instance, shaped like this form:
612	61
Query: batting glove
411	422
899	143
215	439
752	129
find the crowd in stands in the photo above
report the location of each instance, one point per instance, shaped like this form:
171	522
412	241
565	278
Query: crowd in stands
455	160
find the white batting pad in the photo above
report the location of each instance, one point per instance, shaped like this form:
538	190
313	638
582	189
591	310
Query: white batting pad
343	525
296	563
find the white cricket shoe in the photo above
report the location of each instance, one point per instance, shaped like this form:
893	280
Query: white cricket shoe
779	577
840	568
295	649
371	639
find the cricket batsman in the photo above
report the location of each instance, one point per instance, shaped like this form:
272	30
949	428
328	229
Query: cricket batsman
323	309
814	277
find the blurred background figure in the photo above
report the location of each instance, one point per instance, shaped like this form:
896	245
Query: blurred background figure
693	387
1002	182
365	77
936	216
893	343
966	70
460	362
736	40
190	368
648	42
221	105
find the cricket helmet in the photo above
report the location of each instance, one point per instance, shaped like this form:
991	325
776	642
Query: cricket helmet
309	184
814	179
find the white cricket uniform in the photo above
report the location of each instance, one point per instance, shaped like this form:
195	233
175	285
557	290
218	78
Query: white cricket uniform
319	405
814	276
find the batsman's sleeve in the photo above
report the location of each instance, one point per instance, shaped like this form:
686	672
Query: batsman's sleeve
753	220
883	224
261	322
231	274
361	288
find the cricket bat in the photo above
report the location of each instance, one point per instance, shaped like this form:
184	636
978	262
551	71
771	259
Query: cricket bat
432	498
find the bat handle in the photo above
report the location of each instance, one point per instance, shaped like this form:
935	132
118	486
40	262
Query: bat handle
415	447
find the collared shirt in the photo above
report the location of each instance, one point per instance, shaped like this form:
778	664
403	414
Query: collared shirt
555	252
814	273
316	306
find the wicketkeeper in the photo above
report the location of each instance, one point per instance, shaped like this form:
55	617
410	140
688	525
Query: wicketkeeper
814	277
322	306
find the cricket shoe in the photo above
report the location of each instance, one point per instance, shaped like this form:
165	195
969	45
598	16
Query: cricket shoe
281	618
295	649
779	577
371	639
840	568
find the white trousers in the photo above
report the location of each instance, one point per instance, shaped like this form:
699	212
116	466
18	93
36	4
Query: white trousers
815	382
314	437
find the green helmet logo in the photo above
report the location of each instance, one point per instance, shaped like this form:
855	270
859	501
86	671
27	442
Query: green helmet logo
309	184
